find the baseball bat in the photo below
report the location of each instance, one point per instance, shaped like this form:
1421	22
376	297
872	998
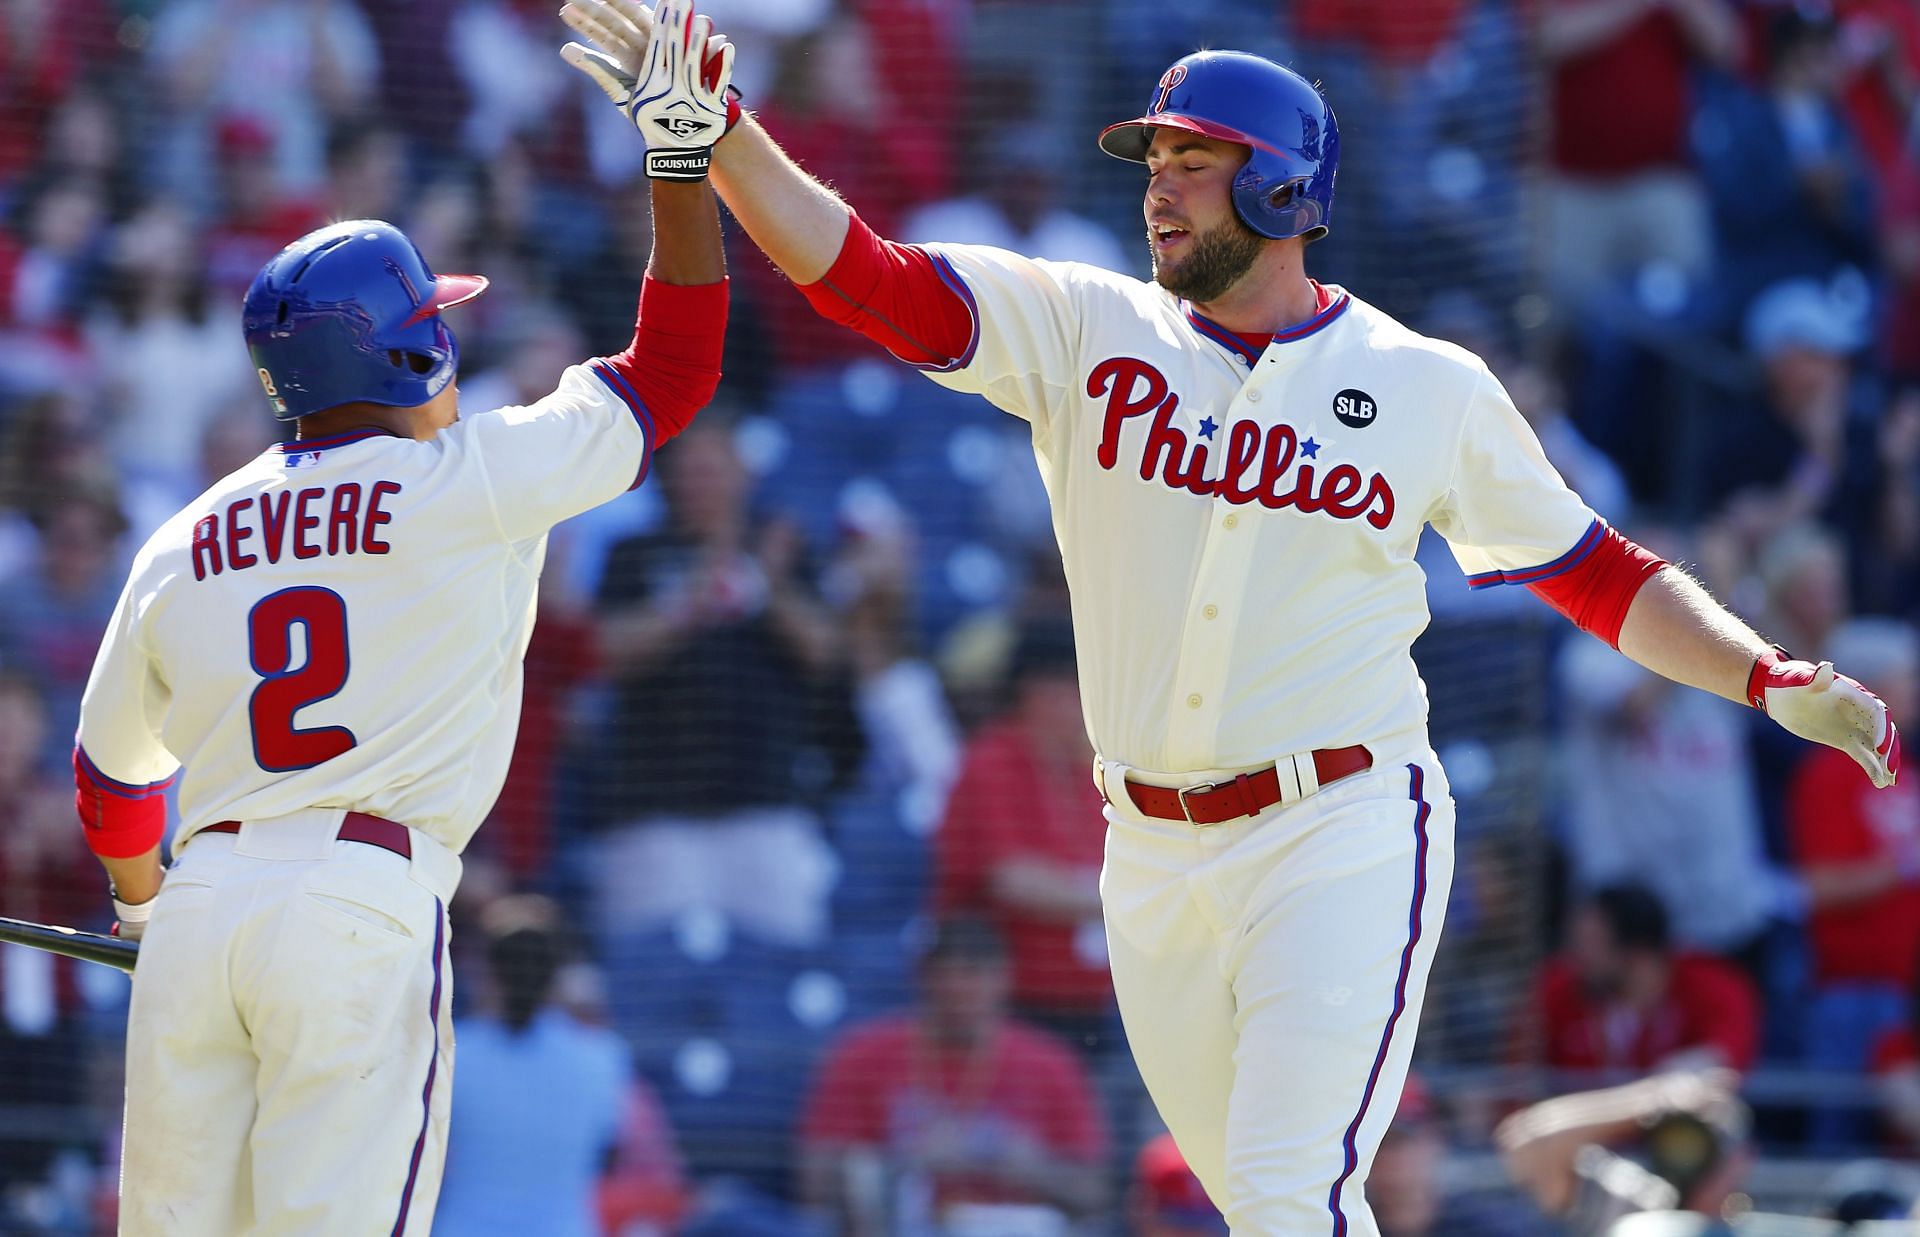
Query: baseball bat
87	946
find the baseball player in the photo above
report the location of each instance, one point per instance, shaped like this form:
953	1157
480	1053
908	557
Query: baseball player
1240	461
326	648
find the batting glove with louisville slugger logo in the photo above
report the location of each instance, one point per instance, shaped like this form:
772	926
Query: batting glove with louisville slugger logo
1816	703
666	70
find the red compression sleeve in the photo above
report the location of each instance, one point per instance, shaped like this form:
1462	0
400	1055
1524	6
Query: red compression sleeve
673	363
122	820
895	295
1597	592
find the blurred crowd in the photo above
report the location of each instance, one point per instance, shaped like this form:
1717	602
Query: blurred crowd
787	921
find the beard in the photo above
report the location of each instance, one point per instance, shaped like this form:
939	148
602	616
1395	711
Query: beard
1220	256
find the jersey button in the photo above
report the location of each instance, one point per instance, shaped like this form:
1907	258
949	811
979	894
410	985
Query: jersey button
1232	521
1193	701
1253	397
1211	612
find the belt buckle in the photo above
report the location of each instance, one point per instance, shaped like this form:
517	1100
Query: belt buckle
1198	788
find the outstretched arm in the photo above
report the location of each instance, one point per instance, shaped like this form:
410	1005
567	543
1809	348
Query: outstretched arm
673	363
1662	618
889	292
893	294
795	220
686	235
1506	505
1674	628
1539	1145
668	72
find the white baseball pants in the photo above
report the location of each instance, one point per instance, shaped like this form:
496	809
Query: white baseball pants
290	1044
1270	973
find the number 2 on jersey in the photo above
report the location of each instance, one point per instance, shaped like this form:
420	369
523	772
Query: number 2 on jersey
278	745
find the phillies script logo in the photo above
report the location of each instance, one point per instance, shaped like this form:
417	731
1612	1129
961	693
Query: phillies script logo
1168	80
1255	465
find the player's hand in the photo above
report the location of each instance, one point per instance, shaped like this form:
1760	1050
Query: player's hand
1816	703
666	70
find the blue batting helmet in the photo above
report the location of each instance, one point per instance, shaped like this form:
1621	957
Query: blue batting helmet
350	313
1286	187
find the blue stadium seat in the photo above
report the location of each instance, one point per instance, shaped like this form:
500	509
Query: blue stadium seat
870	428
733	1083
884	866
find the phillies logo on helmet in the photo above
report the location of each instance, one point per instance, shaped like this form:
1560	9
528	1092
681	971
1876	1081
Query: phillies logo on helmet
1168	80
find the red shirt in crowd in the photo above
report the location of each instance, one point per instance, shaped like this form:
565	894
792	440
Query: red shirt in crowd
1708	1003
1834	815
1622	107
49	876
45	49
1406	32
1893	1052
885	1085
1878	119
1007	805
1900	216
520	828
238	247
1896	1049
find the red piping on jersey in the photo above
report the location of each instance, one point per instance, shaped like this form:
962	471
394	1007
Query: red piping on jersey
1240	345
907	300
951	278
1588	542
302	445
672	367
1593	584
624	390
1416	928
1331	307
433	1071
122	820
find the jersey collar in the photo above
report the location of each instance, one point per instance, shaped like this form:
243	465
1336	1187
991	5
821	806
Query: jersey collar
1333	303
303	445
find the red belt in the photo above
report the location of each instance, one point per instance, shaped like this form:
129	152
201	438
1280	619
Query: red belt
1213	803
357	827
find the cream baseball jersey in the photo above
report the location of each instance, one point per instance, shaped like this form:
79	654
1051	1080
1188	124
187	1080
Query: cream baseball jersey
1238	527
299	636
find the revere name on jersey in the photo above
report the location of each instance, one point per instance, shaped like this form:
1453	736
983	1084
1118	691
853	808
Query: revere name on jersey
1238	528
290	636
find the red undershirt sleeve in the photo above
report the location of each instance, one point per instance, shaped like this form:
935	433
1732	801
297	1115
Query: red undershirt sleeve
673	363
1597	592
122	820
895	295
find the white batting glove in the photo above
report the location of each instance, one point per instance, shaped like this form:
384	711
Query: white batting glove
666	70
1816	703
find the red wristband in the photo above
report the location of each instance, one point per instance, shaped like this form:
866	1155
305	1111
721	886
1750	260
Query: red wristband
1776	668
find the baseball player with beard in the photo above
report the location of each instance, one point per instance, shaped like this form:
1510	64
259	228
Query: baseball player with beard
326	648
1241	461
